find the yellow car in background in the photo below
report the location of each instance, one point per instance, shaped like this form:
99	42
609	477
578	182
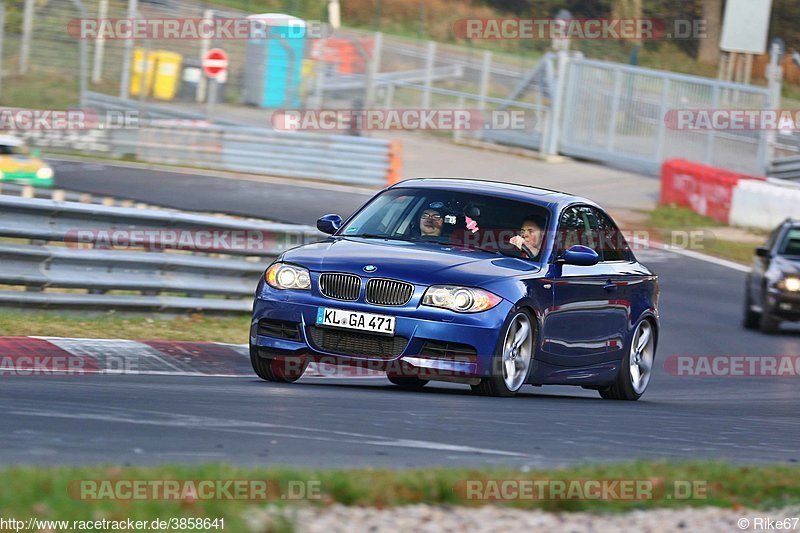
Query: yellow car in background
18	164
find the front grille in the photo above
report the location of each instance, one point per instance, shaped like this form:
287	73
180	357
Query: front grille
280	329
340	286
449	350
356	343
388	292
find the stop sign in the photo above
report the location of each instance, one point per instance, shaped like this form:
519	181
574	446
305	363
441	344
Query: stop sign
215	62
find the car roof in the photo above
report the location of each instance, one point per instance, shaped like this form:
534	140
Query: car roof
526	193
8	140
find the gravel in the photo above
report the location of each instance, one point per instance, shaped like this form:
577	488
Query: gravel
437	519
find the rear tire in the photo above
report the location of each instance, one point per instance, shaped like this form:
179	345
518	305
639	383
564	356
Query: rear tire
279	370
633	379
513	359
408	382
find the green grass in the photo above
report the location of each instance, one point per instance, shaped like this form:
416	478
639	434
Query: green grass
43	492
668	219
194	327
673	217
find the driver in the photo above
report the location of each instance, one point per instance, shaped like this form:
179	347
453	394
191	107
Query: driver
431	222
529	238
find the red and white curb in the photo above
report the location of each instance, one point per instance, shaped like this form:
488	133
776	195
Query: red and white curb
56	355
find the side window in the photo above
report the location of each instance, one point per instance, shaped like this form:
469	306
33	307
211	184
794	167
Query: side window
612	243
773	237
577	226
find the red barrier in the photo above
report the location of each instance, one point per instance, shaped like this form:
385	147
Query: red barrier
706	190
344	53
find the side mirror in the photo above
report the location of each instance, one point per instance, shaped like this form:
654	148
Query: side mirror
329	224
580	256
763	251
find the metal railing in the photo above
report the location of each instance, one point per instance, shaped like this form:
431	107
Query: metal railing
787	168
72	255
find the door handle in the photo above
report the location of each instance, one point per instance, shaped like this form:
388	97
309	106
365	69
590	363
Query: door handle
610	286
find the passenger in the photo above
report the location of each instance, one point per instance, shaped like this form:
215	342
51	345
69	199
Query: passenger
431	222
529	238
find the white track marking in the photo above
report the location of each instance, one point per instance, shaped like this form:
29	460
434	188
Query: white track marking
700	257
234	426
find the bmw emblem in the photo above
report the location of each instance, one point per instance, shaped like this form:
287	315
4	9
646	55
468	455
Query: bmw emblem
370	268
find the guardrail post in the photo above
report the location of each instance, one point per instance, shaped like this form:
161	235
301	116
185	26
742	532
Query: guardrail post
2	26
373	67
127	56
430	58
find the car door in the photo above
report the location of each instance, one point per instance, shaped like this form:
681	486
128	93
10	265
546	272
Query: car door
623	279
580	325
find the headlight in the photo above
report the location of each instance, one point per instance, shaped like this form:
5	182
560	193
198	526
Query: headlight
790	284
44	173
283	276
460	299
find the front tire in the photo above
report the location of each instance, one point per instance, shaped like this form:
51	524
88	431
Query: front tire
750	319
279	370
768	323
408	382
637	366
513	359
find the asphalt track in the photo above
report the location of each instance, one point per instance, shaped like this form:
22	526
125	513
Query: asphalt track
278	200
324	422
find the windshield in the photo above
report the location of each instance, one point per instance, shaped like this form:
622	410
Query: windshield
464	220
8	149
791	243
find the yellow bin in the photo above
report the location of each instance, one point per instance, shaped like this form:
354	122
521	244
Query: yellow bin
161	73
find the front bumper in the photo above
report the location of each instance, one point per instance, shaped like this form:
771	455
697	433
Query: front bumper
784	305
418	324
28	178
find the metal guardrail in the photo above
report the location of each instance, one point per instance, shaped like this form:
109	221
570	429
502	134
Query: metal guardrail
787	168
356	81
294	154
134	259
165	135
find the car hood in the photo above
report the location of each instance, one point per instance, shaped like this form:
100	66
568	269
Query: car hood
787	266
20	163
417	262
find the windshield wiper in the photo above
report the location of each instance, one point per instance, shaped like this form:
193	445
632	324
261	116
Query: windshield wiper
377	236
461	245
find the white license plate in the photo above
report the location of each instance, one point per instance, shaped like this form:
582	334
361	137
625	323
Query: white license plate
339	318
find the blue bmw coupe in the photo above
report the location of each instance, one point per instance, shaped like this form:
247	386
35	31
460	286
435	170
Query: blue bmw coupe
475	282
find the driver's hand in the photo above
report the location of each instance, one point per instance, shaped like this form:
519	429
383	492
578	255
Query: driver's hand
517	241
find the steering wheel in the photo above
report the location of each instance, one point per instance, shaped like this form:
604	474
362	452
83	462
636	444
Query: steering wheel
528	251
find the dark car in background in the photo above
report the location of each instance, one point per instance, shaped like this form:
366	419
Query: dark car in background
772	293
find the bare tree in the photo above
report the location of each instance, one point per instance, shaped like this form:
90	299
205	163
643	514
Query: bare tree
709	46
